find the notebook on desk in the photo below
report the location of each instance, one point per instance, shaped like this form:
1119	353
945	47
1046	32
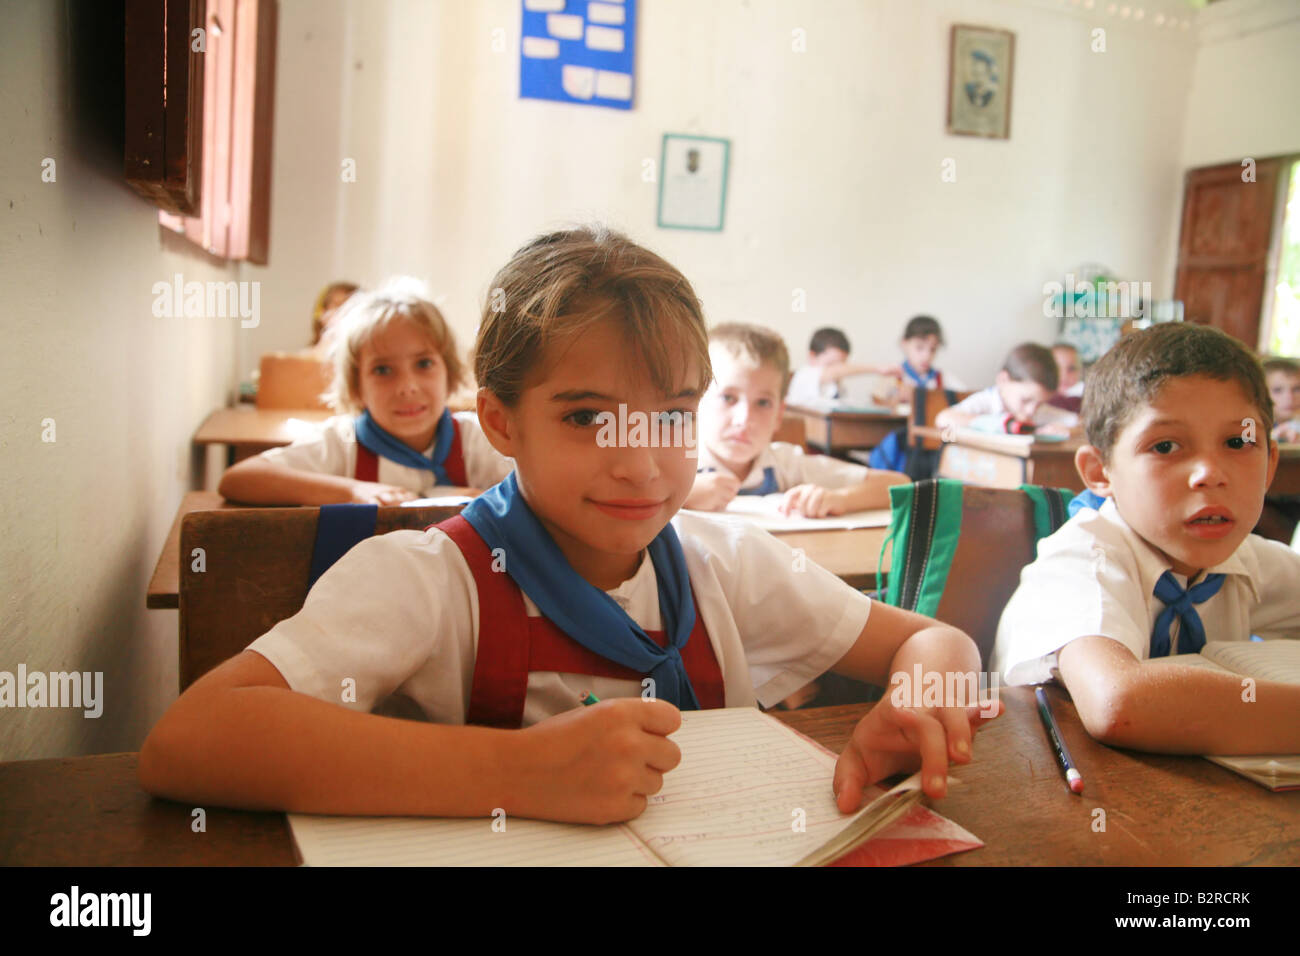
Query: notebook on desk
1275	660
750	791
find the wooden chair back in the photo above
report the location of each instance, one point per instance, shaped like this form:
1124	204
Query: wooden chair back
288	380
254	568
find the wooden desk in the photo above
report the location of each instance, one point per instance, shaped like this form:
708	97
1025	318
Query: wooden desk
853	556
164	586
837	433
248	431
1003	461
1160	811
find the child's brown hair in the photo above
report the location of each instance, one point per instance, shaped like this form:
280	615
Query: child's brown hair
563	282
1031	362
1137	367
755	344
318	308
366	314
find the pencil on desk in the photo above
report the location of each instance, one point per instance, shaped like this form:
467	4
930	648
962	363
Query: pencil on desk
1073	778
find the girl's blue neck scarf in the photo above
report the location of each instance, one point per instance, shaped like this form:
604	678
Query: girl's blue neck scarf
768	486
587	614
383	444
916	377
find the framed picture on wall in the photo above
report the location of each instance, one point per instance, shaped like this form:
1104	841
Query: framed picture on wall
981	61
693	182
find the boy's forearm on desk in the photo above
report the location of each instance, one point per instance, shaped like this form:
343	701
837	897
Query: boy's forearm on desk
263	483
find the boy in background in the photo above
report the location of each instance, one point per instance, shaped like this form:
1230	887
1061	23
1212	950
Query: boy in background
1178	422
738	416
828	364
1016	403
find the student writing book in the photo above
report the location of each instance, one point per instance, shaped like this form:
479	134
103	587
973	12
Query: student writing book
1275	660
749	791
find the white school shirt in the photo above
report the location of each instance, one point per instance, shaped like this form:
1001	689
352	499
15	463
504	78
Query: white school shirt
1096	575
806	387
989	402
332	450
793	467
399	615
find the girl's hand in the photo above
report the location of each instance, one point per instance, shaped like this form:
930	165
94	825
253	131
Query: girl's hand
890	740
377	493
597	764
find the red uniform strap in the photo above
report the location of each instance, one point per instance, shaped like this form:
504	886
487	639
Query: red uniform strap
367	468
455	463
938	380
511	644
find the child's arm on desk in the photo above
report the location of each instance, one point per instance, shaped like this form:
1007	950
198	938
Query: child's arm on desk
814	501
1170	708
950	417
890	738
240	737
257	481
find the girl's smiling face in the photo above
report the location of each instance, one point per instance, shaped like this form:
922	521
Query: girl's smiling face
402	381
602	500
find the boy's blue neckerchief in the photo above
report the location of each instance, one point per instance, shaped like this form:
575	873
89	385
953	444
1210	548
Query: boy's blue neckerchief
917	379
768	486
1180	602
587	614
382	443
1084	499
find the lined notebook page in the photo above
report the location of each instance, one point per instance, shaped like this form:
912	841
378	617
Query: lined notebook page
762	510
732	799
1277	660
406	841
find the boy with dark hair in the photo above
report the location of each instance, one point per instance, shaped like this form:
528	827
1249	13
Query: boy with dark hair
1178	422
828	364
1016	403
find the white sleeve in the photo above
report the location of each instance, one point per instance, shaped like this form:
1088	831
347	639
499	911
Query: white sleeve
484	465
983	402
795	619
394	605
1084	582
794	467
805	386
1277	577
324	452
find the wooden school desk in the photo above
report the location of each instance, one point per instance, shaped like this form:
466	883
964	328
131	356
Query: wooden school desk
850	554
1159	811
1004	461
246	431
839	432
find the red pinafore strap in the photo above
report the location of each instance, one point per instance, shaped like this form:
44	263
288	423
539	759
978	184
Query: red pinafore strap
367	468
511	644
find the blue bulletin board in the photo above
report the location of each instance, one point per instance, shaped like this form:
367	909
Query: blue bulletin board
578	51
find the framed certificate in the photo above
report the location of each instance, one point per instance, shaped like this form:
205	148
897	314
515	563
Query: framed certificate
693	182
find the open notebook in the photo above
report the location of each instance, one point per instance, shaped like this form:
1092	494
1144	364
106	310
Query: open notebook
745	781
1275	660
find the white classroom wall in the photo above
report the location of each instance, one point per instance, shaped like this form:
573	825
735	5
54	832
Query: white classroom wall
835	189
85	515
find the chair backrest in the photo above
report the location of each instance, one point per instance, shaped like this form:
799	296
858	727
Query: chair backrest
927	403
959	549
254	570
288	380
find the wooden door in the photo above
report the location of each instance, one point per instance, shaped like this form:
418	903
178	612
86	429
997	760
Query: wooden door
1224	245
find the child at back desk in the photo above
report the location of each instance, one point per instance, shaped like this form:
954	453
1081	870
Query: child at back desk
1017	401
828	365
740	413
586	533
395	363
1178	422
